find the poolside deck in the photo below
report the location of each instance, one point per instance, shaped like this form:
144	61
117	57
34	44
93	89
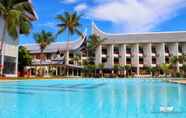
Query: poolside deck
178	81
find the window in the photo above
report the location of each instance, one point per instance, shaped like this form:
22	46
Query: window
180	48
153	50
71	55
153	60
48	56
166	49
116	50
167	60
128	50
104	60
128	60
116	60
9	65
104	51
140	60
141	50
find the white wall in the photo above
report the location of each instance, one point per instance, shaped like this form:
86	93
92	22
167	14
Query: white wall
10	47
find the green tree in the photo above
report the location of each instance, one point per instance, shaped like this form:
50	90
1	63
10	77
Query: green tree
148	69
155	70
70	23
174	61
182	59
123	69
165	68
90	69
24	59
128	69
184	69
93	42
100	67
43	38
15	15
117	68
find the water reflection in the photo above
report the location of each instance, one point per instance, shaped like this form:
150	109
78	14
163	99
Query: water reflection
115	99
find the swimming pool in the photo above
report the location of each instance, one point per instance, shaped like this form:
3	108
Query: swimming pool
91	99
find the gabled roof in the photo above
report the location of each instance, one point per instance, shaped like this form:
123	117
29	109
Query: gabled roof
54	47
147	37
33	14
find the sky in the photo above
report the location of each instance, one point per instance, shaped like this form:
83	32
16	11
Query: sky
113	16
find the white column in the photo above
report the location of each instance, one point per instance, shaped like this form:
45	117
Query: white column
135	57
98	55
122	53
2	59
148	54
174	52
173	49
110	56
67	57
16	67
161	53
56	71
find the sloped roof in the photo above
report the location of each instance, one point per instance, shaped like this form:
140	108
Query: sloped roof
54	47
147	37
33	14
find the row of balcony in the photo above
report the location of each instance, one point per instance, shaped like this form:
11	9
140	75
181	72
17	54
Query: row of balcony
154	50
128	60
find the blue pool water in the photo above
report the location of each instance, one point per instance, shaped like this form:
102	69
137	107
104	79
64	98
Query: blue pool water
91	99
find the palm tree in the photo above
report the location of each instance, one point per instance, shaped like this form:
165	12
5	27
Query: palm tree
174	64
93	42
15	15
43	38
70	23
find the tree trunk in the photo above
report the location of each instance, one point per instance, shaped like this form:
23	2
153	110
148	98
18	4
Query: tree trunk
41	59
68	39
1	52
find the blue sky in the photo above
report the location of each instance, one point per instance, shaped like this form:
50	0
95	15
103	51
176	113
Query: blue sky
113	16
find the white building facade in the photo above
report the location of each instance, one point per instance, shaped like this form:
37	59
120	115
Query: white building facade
139	50
10	49
60	58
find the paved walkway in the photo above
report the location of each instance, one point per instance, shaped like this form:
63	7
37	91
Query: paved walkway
178	81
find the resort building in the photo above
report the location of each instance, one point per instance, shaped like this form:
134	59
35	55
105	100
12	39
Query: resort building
61	58
139	50
10	48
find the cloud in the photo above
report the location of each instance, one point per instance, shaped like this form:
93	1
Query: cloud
68	1
136	15
50	25
81	7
